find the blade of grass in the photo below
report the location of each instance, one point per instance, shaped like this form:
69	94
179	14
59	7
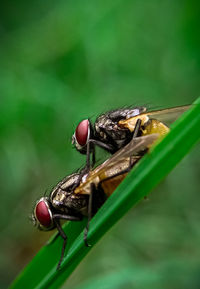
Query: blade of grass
41	271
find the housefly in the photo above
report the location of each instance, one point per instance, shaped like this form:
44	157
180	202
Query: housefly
73	198
114	129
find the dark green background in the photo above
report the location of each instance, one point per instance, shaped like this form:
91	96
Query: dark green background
62	61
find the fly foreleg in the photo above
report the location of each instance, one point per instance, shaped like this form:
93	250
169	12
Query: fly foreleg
91	148
63	235
57	218
90	213
97	198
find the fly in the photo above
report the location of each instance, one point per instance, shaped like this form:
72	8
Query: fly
115	129
73	198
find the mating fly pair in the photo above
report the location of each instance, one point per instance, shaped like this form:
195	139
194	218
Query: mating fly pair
127	134
72	198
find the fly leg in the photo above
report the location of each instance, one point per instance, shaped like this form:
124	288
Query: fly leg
91	148
64	217
135	134
57	218
96	199
62	234
93	156
86	169
92	186
137	128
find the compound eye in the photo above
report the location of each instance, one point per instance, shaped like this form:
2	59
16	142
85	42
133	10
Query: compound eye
42	213
82	132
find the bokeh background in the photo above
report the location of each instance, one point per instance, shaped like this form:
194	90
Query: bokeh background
62	61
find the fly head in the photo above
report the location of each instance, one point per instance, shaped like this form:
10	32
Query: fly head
82	134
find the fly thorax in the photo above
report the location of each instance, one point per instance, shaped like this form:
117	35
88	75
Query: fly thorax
59	198
133	112
131	123
102	125
69	182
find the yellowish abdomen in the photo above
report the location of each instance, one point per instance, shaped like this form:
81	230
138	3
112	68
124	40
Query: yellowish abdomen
155	126
149	126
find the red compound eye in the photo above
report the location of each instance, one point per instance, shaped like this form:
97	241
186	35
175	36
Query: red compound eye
42	214
82	132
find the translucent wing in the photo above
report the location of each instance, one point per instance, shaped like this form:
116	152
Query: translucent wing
160	120
135	146
117	163
167	115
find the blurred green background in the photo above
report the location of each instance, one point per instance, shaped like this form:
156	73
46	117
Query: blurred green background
62	61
